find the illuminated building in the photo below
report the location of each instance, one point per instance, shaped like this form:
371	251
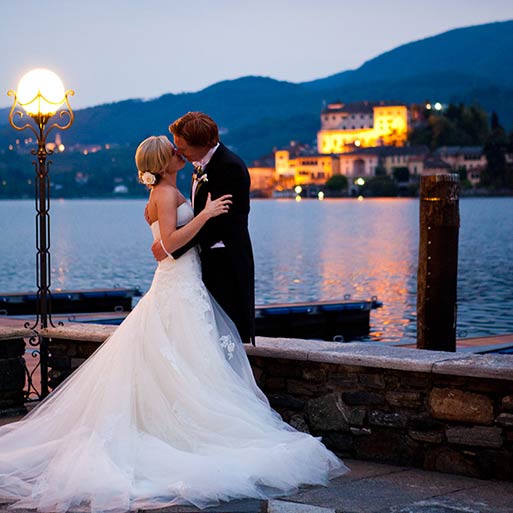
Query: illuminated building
345	127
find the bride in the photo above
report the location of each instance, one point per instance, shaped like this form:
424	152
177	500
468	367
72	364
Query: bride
166	411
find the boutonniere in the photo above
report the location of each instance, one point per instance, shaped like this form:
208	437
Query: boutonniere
199	175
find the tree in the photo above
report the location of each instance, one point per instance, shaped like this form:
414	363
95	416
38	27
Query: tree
459	125
336	185
380	186
401	174
496	173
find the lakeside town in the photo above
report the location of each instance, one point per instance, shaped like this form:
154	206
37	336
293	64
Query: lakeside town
371	148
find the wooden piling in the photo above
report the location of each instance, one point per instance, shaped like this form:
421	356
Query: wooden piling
438	262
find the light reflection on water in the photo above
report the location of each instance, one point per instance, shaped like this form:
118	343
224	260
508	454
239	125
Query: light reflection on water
304	251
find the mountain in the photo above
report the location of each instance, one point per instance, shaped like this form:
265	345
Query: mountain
255	114
482	52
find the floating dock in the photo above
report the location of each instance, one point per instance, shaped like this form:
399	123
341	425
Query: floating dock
344	319
70	301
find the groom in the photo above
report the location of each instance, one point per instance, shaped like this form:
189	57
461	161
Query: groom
226	253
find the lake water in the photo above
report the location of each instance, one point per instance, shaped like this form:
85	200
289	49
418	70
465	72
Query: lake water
304	251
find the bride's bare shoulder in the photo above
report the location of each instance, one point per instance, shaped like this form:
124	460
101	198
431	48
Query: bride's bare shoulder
164	192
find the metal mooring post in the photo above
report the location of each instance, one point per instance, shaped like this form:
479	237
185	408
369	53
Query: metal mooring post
438	262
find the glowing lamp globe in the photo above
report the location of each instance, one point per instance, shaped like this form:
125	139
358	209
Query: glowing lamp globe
40	91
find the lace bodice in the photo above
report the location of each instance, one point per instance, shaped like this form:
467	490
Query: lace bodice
184	214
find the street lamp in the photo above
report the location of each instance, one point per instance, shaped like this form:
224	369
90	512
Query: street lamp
41	94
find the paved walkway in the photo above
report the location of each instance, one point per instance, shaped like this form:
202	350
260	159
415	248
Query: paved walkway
378	488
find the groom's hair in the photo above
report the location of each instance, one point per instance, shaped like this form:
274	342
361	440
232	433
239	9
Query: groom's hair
197	129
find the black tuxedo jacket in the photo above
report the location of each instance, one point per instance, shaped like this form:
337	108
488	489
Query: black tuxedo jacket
227	272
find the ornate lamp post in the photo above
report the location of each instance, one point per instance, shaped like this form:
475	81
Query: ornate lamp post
41	94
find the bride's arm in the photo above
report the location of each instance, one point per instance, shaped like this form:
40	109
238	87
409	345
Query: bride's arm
174	238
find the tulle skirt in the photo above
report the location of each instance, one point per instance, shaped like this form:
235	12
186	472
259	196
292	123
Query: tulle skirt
165	412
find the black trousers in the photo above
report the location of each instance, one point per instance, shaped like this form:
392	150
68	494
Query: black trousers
231	285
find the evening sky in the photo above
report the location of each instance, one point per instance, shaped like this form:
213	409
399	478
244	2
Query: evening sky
111	50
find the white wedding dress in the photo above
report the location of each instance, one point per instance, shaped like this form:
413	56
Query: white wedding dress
165	412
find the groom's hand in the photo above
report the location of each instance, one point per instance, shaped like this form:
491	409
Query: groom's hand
158	251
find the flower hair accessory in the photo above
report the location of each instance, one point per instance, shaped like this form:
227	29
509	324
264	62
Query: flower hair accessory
148	178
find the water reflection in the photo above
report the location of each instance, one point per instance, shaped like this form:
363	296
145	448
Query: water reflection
304	251
333	248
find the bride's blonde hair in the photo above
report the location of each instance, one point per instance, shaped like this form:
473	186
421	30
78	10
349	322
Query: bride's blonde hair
153	156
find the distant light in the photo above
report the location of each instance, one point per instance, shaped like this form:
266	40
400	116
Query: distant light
298	189
320	195
85	152
62	147
357	143
360	181
360	198
11	147
40	91
298	198
428	106
438	106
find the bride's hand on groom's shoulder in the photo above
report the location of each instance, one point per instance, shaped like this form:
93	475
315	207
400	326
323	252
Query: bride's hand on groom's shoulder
221	205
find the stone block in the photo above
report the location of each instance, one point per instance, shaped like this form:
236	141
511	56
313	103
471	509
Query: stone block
505	419
336	381
507	403
338	442
314	374
83	350
481	436
496	464
59	362
424	422
404	399
364	431
11	399
284	401
392	381
457	405
363	398
372	380
59	347
380	418
448	460
415	380
12	348
328	413
77	362
389	445
356	416
12	373
302	388
257	373
284	369
274	384
298	422
431	437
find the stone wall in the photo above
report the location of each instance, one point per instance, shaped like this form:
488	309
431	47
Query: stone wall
449	412
12	375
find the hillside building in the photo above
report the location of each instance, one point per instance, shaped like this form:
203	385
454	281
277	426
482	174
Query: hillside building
345	127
